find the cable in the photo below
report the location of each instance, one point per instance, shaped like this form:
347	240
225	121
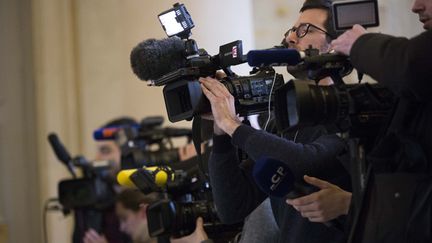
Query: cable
45	211
45	234
269	103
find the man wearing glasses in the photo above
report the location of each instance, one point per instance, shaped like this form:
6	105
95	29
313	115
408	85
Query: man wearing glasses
314	27
309	151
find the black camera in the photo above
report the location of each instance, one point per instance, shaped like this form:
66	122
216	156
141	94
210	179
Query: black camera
182	92
146	143
184	98
93	190
189	196
89	196
167	217
359	109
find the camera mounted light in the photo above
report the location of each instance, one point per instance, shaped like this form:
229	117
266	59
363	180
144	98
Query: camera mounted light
177	21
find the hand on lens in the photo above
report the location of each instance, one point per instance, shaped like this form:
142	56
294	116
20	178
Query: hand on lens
324	205
222	105
344	42
91	236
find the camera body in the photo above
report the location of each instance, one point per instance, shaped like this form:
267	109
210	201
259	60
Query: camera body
182	92
167	217
147	145
93	190
184	98
85	193
358	109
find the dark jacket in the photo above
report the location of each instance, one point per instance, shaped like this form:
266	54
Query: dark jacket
402	160
236	194
404	66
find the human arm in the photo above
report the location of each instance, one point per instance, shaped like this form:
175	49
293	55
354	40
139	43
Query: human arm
234	191
401	64
316	158
324	205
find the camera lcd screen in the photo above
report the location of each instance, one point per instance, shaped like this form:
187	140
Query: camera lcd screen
170	23
348	13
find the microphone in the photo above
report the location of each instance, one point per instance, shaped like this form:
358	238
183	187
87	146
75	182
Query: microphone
156	178
61	152
109	133
158	175
274	57
276	179
153	58
273	177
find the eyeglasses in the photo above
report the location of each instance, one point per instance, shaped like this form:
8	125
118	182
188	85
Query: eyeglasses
303	29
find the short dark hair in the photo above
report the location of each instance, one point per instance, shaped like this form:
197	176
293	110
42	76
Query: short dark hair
132	199
325	5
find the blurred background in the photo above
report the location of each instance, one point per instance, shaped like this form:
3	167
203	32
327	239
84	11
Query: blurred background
64	68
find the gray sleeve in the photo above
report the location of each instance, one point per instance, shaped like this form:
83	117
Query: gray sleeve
253	231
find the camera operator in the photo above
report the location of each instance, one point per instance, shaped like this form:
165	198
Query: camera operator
307	151
131	206
401	162
109	151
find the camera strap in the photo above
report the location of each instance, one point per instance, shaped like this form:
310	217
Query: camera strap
196	138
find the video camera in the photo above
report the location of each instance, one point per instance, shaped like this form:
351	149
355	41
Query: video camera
359	108
188	196
93	190
89	196
179	74
145	144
